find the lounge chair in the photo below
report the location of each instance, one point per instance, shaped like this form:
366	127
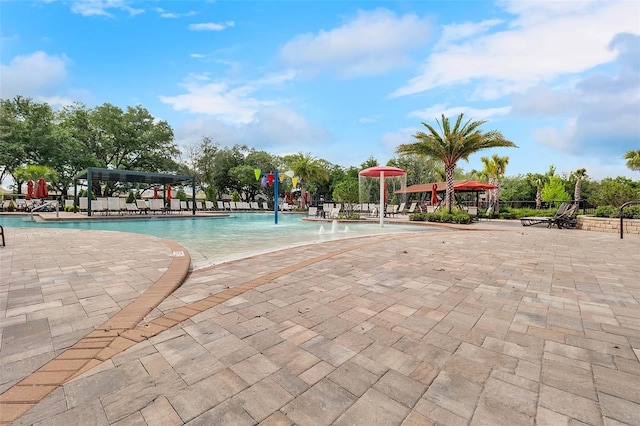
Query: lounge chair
208	205
567	219
113	205
132	208
174	205
97	207
390	210
83	204
156	205
548	220
373	212
412	208
265	206
142	206
402	207
220	205
313	211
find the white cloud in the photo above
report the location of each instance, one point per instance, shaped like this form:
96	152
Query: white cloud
197	55
456	32
558	139
275	129
101	7
546	40
604	110
231	105
170	15
33	74
373	42
211	26
391	140
228	101
436	111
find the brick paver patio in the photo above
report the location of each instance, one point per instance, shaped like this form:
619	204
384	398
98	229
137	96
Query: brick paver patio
501	326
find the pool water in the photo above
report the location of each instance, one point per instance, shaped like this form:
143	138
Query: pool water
217	239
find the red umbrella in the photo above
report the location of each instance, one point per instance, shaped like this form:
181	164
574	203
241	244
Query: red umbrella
41	189
155	192
168	193
29	189
434	195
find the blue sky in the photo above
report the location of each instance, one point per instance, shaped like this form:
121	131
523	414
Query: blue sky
346	80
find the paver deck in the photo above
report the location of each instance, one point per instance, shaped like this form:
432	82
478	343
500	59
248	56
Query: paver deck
506	325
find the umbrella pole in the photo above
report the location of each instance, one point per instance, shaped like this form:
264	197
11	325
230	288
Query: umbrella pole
381	198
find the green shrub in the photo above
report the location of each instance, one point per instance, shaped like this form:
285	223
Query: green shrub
630	212
461	217
418	217
131	198
507	215
606	211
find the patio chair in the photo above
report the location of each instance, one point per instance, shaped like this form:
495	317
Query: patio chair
391	210
132	208
142	206
566	219
548	220
402	208
313	211
265	206
174	205
97	207
220	205
412	208
113	205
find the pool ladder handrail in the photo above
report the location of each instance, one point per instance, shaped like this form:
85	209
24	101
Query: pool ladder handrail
621	217
40	207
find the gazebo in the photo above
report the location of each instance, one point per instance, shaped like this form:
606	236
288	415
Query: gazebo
458	186
115	175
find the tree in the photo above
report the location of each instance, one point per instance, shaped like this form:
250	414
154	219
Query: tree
347	192
633	159
615	192
419	169
450	145
129	140
579	175
553	190
495	167
26	135
517	188
306	168
35	172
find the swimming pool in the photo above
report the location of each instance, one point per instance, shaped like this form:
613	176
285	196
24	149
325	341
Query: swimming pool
212	240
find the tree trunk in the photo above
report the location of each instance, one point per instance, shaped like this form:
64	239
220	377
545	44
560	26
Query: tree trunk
577	190
450	174
538	198
303	188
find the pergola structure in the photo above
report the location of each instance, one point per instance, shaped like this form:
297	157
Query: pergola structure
115	175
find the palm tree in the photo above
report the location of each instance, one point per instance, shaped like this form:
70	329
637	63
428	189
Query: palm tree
579	174
306	167
538	180
633	159
495	167
452	144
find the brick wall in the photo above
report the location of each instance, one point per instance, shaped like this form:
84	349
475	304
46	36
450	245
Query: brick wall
603	224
